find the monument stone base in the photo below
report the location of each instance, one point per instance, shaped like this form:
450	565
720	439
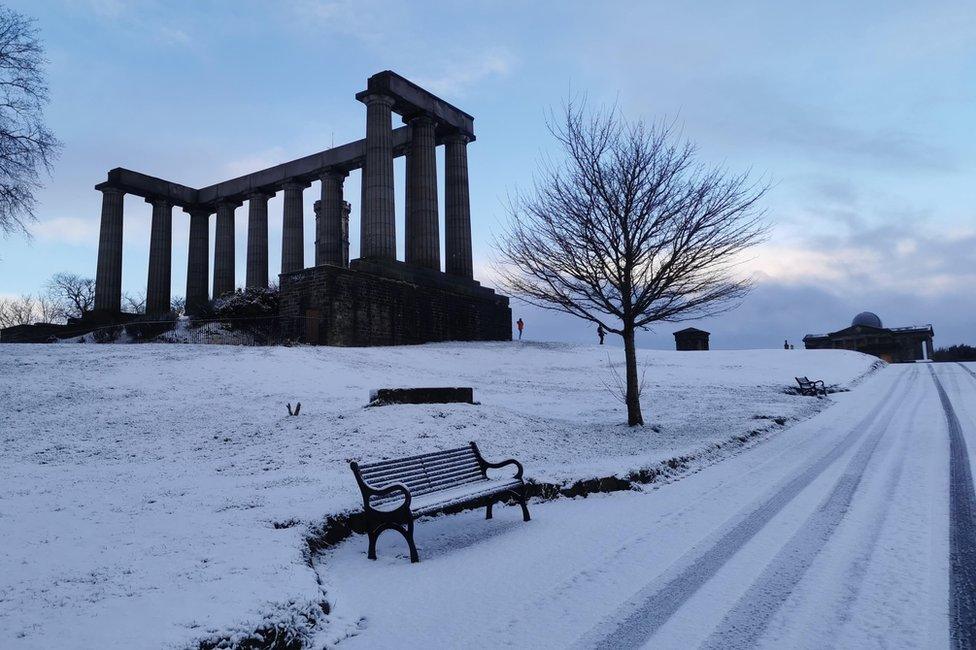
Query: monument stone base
384	302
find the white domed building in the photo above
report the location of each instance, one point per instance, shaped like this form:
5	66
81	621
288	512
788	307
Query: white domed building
867	334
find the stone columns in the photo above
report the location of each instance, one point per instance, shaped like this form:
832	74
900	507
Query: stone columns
378	224
158	287
257	240
293	228
223	276
423	246
328	221
197	261
108	272
457	208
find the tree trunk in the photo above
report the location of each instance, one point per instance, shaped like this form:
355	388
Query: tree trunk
634	416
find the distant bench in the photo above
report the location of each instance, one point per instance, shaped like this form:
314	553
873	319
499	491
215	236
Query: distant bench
396	492
813	388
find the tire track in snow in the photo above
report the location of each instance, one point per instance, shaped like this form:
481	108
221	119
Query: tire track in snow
747	620
650	608
962	529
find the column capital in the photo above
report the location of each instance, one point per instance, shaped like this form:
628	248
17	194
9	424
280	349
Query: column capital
260	194
233	204
333	173
198	209
155	200
376	98
419	119
295	184
456	137
106	188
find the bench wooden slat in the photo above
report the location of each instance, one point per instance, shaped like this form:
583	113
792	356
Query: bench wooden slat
421	468
399	461
421	474
441	484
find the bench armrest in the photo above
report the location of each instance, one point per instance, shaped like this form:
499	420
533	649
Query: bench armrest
386	491
510	461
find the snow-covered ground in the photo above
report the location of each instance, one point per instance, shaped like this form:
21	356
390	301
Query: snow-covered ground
835	534
159	495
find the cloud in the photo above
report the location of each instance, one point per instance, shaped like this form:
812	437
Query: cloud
172	36
462	74
256	161
70	230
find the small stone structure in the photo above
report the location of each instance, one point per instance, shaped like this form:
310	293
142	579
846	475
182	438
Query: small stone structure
375	300
422	396
691	338
866	334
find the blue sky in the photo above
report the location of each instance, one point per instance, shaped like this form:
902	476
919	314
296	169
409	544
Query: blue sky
861	115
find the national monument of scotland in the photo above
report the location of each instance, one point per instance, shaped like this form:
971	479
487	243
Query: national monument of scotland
373	300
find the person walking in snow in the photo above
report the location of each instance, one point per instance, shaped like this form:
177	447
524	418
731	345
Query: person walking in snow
786	345
519	324
600	333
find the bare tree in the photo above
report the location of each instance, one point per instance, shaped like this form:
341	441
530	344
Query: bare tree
22	310
134	303
628	229
178	305
72	295
26	144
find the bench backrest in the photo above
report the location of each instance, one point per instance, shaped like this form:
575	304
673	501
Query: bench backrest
803	381
440	470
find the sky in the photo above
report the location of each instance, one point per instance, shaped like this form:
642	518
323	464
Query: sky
860	115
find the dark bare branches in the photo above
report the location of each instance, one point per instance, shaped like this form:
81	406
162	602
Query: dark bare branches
628	228
27	146
71	295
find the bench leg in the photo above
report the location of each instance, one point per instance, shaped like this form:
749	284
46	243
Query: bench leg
525	508
373	536
488	508
405	530
408	535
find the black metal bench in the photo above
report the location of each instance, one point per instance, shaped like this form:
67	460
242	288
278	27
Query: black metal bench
812	388
397	491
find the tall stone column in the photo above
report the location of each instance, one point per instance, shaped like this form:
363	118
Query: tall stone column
108	272
257	240
457	207
423	245
293	228
346	209
223	276
158	287
328	221
378	223
197	261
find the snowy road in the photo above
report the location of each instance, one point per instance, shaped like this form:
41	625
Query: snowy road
855	528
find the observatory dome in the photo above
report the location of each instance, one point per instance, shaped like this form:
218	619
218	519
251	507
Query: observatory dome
870	319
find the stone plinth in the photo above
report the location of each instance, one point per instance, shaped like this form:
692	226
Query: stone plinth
390	303
383	396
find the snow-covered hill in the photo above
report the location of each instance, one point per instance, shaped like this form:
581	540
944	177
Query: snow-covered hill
157	495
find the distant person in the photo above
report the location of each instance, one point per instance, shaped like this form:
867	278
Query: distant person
600	333
520	325
786	345
791	346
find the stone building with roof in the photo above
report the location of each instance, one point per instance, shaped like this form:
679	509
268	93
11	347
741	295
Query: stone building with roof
867	334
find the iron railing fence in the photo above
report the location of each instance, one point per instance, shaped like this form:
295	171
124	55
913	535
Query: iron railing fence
272	330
